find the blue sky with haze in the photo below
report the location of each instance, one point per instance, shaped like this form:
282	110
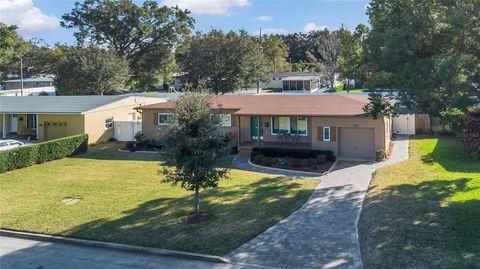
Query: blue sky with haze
40	18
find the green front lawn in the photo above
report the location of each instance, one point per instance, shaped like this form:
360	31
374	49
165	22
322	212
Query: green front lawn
123	200
424	212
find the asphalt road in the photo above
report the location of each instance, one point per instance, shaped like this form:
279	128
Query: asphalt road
29	254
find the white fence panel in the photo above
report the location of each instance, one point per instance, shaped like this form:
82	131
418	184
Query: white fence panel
404	124
126	130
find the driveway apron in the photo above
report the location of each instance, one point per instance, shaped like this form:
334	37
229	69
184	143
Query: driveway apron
323	233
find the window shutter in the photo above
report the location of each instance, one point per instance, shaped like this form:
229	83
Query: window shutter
333	133
155	118
320	133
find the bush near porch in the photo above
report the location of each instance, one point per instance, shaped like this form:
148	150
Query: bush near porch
295	159
42	152
122	199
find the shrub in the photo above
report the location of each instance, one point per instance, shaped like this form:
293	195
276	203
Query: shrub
321	158
42	152
130	145
294	162
154	143
312	161
139	136
268	161
293	153
381	155
258	159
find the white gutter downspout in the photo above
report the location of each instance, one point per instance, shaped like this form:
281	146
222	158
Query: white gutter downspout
4	125
36	127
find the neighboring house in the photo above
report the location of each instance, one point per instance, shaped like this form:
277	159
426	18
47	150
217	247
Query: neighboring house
316	121
293	81
33	82
48	117
50	91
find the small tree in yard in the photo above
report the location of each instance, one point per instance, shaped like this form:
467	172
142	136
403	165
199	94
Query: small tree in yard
195	147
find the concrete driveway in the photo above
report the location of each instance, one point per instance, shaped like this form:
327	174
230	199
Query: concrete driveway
323	233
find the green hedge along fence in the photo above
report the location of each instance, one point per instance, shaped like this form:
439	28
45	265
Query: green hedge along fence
42	152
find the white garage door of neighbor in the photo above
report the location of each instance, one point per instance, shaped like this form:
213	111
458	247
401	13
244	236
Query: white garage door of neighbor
404	124
356	143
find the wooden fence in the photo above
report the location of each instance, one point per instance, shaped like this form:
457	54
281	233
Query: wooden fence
424	124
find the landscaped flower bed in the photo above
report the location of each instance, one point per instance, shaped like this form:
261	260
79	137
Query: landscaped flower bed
295	159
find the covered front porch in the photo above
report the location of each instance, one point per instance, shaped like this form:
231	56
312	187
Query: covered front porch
19	126
273	131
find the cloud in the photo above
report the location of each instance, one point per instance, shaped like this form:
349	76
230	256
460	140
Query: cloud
264	18
269	31
26	16
207	7
311	26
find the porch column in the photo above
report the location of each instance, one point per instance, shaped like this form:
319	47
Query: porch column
36	126
4	125
239	133
258	130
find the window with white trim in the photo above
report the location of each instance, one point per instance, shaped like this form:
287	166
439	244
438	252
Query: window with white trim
326	133
225	120
164	118
222	119
280	125
299	126
108	123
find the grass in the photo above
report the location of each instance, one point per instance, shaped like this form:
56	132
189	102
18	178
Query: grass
123	200
424	212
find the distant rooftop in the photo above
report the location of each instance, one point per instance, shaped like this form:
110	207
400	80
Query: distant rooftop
295	78
55	104
32	79
289	74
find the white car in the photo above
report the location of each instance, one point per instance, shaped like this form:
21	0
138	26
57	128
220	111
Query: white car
10	144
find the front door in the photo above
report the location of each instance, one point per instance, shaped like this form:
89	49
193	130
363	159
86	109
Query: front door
254	127
13	123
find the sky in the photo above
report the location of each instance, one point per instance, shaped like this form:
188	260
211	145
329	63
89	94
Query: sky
40	19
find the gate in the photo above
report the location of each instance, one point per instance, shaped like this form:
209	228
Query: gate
404	124
126	130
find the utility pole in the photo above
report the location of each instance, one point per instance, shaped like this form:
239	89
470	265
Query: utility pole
21	77
261	50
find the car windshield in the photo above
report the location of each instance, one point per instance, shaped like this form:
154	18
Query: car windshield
3	144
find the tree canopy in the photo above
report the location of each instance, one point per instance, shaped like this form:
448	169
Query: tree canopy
276	52
194	146
428	52
12	47
145	35
225	61
91	70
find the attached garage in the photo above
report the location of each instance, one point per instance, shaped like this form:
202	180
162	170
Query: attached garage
356	143
54	130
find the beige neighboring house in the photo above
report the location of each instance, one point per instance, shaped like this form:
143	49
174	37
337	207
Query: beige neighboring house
316	121
292	82
48	117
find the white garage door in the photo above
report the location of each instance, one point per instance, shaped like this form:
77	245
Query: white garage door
356	143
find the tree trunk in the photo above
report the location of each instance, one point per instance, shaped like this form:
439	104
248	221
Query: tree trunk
197	202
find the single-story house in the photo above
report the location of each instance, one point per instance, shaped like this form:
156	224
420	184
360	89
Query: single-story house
32	82
48	117
315	121
307	81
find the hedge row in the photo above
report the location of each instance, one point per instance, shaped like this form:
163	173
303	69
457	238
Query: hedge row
42	152
292	153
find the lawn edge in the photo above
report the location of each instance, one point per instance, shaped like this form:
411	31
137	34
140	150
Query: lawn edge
117	246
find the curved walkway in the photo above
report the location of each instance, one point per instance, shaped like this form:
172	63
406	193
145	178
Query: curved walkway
323	233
